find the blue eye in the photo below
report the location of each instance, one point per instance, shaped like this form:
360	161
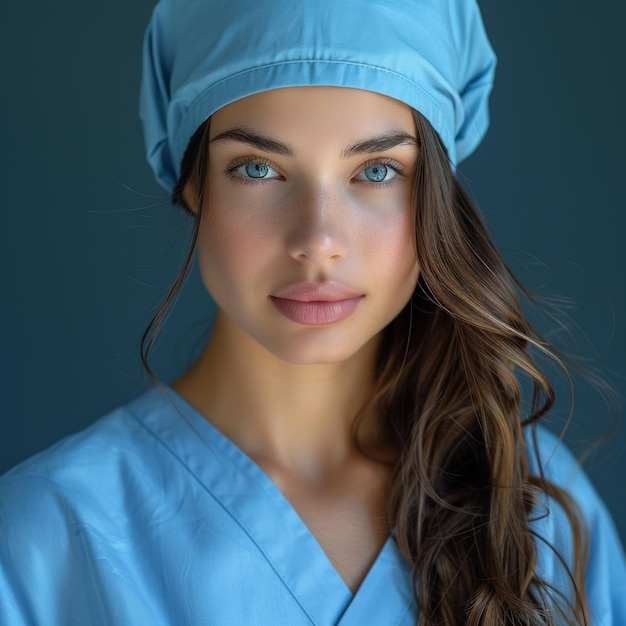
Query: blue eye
257	170
377	173
252	169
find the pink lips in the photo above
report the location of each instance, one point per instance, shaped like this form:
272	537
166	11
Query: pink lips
316	304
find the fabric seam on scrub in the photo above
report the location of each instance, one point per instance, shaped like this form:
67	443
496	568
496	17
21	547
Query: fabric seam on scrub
242	461
227	509
298	62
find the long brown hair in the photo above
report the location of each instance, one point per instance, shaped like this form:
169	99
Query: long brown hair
447	385
463	492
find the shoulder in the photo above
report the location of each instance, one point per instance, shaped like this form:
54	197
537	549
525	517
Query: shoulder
554	460
90	480
99	448
66	514
85	467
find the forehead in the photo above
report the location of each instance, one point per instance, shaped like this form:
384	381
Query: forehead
308	111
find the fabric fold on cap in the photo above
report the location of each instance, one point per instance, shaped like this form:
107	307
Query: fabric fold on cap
200	55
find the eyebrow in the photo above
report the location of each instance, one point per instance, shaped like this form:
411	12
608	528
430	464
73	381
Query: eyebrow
380	143
255	140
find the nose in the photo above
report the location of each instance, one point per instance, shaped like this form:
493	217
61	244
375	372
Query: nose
318	232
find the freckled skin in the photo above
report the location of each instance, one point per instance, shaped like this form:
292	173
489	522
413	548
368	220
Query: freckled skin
314	222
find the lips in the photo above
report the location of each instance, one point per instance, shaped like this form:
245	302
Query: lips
316	304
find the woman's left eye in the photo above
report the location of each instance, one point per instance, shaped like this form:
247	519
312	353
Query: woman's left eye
379	172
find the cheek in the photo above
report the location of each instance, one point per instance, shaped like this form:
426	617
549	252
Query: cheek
392	242
221	238
231	244
223	251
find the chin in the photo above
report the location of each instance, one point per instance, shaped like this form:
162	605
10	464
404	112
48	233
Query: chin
318	351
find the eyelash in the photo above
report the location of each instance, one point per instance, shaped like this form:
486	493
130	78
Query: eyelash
230	171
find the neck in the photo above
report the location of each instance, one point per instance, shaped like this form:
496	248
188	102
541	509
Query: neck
300	417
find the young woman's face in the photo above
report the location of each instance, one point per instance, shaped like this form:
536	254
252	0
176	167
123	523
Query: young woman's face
305	242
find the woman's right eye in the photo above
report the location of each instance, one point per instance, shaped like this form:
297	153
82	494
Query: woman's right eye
252	170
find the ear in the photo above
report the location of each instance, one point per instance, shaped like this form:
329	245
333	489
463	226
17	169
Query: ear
190	198
193	170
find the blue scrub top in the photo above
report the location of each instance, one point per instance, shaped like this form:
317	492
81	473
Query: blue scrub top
152	516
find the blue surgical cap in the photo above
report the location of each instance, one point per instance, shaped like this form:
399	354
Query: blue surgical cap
200	55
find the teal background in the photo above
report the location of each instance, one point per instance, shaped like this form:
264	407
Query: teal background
89	242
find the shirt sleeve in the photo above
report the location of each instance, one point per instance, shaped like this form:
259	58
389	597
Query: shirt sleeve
606	569
606	574
33	553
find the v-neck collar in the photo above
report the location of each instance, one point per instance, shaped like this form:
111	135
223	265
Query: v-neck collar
256	504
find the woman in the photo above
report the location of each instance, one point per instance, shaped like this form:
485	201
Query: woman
351	445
